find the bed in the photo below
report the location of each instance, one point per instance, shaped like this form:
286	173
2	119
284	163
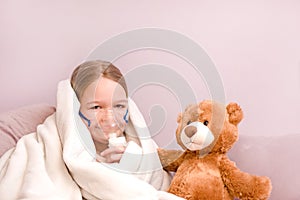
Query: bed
274	156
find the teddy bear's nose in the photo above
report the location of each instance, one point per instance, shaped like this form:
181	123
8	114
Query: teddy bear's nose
190	131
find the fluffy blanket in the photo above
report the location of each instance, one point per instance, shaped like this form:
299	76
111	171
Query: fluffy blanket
58	161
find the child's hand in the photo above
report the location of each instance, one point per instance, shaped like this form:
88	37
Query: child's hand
112	154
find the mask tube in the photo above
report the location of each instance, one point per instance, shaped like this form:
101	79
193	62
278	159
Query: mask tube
86	119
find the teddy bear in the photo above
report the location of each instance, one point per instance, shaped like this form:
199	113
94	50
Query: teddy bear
206	131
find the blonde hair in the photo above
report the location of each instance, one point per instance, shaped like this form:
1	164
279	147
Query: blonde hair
89	71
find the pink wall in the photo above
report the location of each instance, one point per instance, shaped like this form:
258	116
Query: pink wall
255	46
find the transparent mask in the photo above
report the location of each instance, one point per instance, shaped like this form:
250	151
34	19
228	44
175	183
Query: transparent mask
108	120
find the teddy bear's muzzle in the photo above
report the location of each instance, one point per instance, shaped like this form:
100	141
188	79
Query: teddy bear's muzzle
190	131
196	136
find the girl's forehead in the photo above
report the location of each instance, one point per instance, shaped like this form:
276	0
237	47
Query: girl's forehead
105	90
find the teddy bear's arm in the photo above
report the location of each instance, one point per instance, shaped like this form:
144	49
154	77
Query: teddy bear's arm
170	159
244	185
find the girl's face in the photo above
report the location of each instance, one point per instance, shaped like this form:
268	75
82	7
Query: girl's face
105	104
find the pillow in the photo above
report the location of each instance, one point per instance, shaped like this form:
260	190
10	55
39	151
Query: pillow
277	157
16	123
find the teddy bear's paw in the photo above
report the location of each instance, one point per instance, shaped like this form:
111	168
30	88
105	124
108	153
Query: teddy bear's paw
259	189
263	187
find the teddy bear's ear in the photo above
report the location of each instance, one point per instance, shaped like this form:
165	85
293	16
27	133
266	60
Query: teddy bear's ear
179	117
235	113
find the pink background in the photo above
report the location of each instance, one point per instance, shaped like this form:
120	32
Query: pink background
255	46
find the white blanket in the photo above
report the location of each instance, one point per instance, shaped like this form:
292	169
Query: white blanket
58	161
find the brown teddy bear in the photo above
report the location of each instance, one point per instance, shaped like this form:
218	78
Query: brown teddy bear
206	132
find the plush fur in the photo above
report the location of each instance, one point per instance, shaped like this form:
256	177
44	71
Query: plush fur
207	173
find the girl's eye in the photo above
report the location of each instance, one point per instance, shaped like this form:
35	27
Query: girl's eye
205	122
119	106
95	107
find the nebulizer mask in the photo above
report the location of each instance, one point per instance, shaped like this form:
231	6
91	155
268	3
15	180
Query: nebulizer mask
112	121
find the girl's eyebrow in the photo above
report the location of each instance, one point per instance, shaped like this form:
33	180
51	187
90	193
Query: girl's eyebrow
99	102
93	102
121	101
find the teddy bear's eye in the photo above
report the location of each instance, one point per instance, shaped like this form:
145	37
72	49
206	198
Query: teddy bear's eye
189	122
205	122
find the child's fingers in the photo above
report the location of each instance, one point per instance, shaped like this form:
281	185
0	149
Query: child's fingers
113	150
113	158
